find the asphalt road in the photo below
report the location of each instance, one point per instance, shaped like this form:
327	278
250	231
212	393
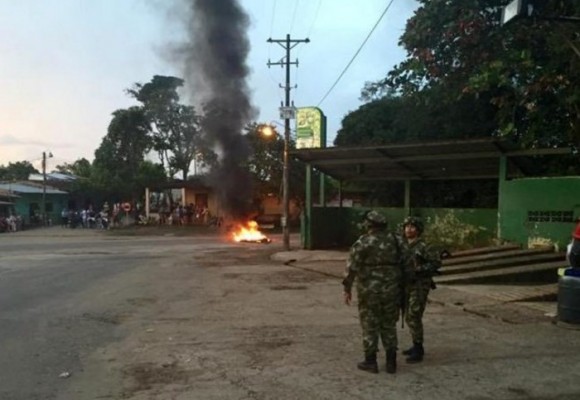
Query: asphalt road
64	294
182	318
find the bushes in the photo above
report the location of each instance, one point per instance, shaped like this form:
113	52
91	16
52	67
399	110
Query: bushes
448	232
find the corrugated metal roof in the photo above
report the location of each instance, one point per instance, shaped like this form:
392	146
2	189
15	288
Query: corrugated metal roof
22	188
52	176
452	159
6	193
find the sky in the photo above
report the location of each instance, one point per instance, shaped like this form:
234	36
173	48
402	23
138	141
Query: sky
65	64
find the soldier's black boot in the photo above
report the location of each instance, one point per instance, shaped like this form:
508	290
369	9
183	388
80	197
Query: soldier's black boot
369	364
391	361
417	354
410	350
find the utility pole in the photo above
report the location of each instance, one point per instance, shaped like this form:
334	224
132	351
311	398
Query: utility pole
44	188
287	44
44	156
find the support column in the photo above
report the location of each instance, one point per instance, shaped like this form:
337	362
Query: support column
322	194
307	220
407	205
147	205
501	187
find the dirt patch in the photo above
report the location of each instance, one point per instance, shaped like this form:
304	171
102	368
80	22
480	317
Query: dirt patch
147	375
286	287
249	256
106	318
293	276
142	301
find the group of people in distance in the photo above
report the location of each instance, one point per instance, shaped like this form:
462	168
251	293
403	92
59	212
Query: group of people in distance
393	273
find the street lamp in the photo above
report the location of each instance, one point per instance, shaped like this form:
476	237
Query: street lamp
267	131
44	156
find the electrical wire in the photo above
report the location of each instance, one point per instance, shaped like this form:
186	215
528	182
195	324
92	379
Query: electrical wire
355	54
294	16
275	83
307	36
273	14
315	18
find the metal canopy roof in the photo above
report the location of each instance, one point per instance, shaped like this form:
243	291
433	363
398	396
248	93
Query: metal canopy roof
456	159
23	188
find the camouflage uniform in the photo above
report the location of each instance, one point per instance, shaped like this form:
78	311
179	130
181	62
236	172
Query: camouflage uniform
374	262
418	282
420	262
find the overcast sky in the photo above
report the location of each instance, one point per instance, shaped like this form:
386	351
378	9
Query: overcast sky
65	64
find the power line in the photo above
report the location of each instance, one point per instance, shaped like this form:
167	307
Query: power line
308	36
293	16
356	54
315	18
274	82
273	14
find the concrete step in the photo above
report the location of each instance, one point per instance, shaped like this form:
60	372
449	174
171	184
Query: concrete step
512	293
502	262
541	272
497	255
483	250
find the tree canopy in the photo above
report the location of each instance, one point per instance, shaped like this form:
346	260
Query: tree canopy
520	80
16	171
175	127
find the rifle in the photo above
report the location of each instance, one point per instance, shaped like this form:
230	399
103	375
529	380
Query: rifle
403	299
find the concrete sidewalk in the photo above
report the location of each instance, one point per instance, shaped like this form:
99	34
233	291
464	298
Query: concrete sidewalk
509	303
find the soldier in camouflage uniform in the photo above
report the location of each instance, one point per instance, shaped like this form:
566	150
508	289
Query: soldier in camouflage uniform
374	262
420	264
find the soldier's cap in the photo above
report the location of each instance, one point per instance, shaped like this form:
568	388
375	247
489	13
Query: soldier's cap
415	221
375	218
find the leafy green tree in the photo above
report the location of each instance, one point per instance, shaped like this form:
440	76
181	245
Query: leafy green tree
121	153
176	131
528	70
386	120
149	174
265	162
17	171
266	165
80	168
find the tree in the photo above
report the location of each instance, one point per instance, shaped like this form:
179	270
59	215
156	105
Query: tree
122	151
17	171
386	120
265	162
175	127
527	70
80	168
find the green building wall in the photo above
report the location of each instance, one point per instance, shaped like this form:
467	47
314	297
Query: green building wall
58	202
539	210
336	227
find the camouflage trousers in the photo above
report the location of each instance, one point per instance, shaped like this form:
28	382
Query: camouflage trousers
417	293
378	318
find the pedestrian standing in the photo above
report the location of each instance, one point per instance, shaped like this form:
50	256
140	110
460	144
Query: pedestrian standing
374	262
420	263
573	252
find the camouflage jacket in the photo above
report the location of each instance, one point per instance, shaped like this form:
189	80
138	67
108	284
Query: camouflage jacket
375	262
420	261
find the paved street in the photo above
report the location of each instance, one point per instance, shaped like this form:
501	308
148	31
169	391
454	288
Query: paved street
198	317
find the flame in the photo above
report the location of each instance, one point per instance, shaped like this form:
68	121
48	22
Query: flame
249	233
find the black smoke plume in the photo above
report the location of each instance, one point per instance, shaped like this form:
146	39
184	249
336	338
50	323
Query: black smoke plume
216	71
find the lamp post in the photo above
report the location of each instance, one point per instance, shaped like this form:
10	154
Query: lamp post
44	156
